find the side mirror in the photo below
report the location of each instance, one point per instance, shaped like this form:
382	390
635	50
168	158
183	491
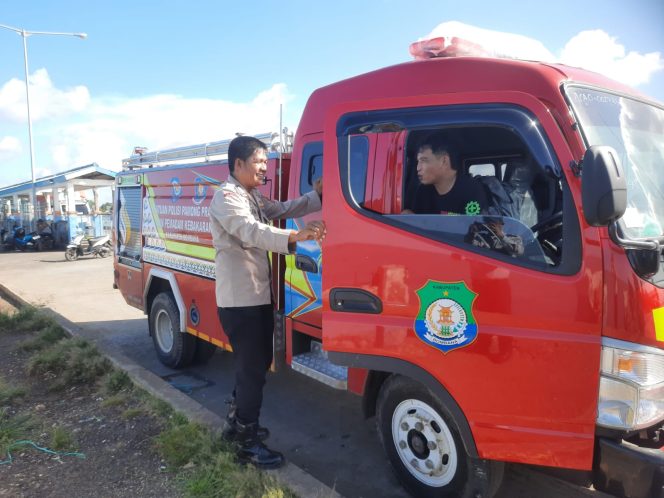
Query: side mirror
603	186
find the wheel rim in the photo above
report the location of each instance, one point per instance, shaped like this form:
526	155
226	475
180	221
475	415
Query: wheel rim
424	443
164	331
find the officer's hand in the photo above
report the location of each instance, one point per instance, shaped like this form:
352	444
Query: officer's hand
318	187
314	230
318	228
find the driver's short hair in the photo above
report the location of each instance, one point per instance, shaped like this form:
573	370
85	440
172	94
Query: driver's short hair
440	144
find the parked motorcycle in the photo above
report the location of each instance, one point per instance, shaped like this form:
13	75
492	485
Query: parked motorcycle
83	246
20	240
46	240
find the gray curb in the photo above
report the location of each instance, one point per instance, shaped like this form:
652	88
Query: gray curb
299	481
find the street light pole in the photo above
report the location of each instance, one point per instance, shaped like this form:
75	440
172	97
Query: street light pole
24	34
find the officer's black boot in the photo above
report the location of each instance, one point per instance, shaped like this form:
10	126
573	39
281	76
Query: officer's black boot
252	450
229	433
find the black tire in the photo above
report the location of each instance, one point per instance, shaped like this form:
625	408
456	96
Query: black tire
424	447
174	349
71	254
106	250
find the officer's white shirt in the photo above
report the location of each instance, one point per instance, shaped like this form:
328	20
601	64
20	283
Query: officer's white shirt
241	237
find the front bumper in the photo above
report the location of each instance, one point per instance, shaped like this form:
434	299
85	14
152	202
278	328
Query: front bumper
625	469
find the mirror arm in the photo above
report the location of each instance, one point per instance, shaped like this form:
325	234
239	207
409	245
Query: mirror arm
651	245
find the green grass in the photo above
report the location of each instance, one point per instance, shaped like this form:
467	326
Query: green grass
119	399
47	337
222	477
130	413
207	468
62	440
14	428
26	319
160	409
181	444
117	381
73	361
9	394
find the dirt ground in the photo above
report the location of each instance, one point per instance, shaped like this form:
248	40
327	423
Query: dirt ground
120	459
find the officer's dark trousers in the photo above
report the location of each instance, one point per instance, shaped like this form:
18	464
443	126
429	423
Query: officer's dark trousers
250	330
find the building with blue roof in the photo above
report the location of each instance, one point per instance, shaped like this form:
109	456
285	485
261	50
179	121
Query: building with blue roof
61	199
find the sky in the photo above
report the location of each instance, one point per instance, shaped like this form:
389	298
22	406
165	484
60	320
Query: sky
165	73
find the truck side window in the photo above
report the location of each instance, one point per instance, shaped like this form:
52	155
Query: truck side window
502	152
312	166
129	224
359	155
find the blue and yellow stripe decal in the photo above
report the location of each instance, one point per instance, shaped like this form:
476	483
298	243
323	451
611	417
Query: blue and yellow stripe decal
303	290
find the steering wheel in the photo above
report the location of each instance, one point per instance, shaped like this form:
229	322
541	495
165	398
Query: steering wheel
550	247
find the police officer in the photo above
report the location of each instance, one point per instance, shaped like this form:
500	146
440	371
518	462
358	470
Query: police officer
242	237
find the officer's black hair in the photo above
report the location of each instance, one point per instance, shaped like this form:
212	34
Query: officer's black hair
440	144
243	147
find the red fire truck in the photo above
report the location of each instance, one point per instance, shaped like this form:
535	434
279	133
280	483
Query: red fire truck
530	333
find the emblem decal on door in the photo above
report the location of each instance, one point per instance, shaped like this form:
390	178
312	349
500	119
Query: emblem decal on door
445	320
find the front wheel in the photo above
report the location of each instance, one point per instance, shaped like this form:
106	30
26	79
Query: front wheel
71	254
424	445
174	349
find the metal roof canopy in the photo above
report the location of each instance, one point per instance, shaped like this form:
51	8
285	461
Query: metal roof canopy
82	177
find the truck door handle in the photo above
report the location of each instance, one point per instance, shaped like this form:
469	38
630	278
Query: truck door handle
305	263
355	301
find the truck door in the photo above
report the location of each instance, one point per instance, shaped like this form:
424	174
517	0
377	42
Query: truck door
503	316
304	268
128	223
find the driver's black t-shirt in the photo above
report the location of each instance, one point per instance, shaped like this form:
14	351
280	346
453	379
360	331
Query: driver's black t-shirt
467	196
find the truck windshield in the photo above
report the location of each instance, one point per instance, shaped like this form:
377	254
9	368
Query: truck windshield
635	130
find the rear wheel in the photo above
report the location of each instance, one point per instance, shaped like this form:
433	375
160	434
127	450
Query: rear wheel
174	349
106	250
71	254
424	445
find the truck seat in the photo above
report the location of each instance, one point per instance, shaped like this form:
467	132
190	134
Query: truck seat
520	175
513	197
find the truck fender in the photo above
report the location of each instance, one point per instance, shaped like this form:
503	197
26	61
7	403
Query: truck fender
407	369
157	274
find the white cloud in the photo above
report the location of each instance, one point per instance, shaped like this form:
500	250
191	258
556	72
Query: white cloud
595	50
109	129
46	101
598	51
9	147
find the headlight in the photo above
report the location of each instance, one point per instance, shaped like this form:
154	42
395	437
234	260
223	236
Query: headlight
631	388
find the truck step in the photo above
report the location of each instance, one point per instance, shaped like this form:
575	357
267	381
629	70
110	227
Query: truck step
314	364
